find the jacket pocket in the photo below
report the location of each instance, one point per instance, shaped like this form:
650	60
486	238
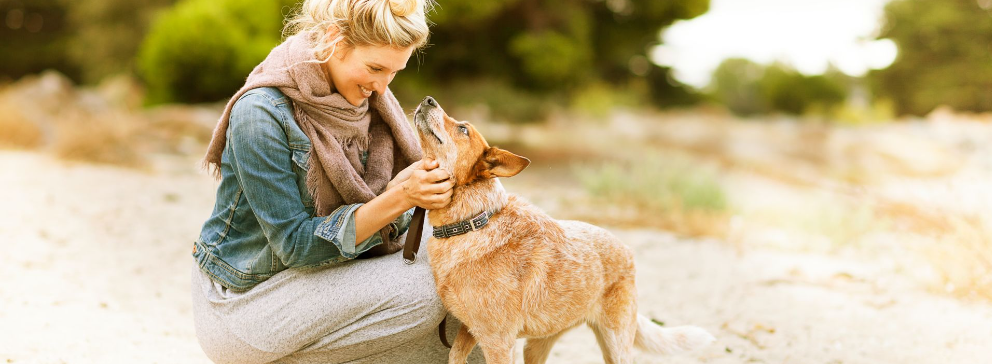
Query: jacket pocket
301	164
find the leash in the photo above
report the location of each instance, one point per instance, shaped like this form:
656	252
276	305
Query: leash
410	249
413	235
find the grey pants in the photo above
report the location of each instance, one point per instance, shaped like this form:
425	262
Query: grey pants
377	310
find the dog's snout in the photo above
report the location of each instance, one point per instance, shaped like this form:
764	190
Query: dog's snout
430	101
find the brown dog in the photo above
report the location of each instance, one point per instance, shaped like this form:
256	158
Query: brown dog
522	273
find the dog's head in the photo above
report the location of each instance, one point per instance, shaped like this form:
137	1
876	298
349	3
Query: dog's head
460	149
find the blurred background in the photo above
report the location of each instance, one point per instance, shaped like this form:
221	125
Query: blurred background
855	131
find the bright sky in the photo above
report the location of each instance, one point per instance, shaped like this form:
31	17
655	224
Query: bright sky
808	34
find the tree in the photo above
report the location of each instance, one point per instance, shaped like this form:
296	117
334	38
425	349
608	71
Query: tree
735	85
106	34
202	50
34	38
944	55
785	89
549	48
748	88
553	46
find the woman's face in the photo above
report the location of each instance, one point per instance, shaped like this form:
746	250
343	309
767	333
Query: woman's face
358	71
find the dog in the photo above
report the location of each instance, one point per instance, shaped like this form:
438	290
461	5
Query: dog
506	269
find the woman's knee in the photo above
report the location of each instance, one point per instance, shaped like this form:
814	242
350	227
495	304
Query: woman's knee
418	293
222	346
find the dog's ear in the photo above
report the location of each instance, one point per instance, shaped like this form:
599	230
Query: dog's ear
496	162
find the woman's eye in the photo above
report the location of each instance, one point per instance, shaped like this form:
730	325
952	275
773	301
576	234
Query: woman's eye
373	69
463	129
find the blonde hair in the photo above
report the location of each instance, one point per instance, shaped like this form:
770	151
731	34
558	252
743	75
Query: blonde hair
397	23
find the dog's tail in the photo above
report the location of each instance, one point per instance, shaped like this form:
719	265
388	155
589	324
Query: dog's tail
661	340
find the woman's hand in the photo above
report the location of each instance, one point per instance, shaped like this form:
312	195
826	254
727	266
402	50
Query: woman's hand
427	186
404	174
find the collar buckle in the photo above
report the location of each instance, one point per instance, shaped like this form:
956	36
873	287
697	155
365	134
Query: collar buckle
478	219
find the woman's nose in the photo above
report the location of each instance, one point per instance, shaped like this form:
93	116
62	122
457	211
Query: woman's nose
379	87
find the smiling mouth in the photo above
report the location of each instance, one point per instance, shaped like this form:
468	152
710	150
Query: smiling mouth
365	92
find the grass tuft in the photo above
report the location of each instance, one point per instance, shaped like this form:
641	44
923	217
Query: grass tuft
106	139
673	193
16	131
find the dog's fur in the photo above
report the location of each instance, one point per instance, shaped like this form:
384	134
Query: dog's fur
525	274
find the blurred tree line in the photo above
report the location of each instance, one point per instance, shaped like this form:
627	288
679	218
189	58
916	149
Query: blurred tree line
945	55
499	51
945	58
748	88
520	57
86	40
559	49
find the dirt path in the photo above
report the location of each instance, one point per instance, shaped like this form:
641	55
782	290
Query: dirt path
97	263
774	307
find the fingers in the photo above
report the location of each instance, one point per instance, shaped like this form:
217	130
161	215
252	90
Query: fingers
430	187
431	176
439	187
436	175
415	166
438	200
433	201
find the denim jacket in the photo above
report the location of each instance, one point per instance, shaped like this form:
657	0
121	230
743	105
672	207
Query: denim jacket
263	221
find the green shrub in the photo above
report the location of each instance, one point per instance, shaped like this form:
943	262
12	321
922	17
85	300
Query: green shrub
552	59
599	99
735	85
202	50
655	184
748	88
785	89
943	56
105	35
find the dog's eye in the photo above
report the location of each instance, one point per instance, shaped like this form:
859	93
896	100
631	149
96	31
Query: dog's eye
463	129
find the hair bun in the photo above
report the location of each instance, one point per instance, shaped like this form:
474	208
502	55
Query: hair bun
402	7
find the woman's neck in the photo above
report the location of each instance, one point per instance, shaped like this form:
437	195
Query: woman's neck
326	68
469	200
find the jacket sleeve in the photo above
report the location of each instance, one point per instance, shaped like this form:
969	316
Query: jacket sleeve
262	161
339	229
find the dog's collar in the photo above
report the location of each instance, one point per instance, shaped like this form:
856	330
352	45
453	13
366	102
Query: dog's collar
463	227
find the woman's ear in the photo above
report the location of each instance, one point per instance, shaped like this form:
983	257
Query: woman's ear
331	33
501	163
341	46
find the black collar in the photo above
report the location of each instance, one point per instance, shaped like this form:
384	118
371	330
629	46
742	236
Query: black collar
462	227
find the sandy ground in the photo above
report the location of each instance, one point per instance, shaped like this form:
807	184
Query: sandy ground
97	261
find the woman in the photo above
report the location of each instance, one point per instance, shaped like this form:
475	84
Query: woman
318	165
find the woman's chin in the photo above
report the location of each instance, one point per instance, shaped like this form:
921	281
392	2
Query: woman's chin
355	101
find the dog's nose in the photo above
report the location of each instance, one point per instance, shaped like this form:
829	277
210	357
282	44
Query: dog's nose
430	101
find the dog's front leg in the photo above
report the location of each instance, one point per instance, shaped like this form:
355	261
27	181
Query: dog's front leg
464	342
498	349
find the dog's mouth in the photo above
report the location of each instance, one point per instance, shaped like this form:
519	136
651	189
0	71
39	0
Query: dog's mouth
433	134
421	118
424	126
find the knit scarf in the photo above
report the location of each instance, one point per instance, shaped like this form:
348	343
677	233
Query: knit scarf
339	132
